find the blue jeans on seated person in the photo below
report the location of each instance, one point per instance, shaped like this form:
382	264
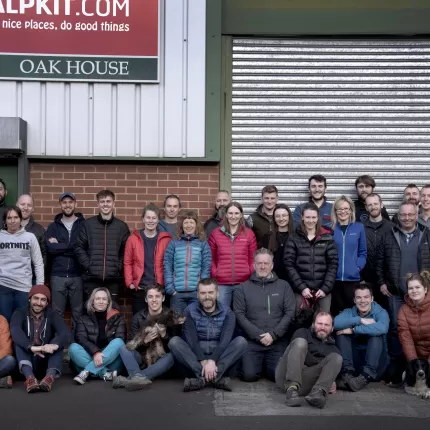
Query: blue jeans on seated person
111	361
10	300
225	294
7	364
364	354
133	361
180	300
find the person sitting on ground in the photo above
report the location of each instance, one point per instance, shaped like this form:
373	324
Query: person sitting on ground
361	336
264	307
209	349
39	335
100	334
7	361
310	364
139	378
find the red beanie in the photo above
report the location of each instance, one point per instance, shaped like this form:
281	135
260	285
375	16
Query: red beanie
40	289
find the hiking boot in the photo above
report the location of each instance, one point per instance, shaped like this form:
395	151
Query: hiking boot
358	383
6	382
193	384
222	384
46	384
137	382
108	376
342	382
317	398
31	384
82	377
119	382
292	397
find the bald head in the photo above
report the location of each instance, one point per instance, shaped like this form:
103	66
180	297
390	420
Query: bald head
26	203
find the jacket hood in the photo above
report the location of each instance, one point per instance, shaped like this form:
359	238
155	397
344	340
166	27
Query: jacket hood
259	211
18	233
189	237
259	281
58	217
425	304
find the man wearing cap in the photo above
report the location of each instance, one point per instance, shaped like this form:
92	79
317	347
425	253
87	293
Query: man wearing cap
39	335
66	281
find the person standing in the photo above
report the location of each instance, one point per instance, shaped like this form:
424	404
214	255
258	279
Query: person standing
222	199
424	214
66	280
144	257
100	246
172	205
411	194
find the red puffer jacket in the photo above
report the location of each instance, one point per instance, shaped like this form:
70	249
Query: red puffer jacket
232	258
134	258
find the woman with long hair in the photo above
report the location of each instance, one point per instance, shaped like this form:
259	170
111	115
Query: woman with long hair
311	261
350	239
19	250
100	334
233	246
187	260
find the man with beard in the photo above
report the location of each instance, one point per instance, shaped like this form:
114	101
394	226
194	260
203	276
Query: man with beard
310	364
66	281
424	215
3	194
317	185
221	201
411	194
172	204
364	186
375	227
361	336
209	349
26	204
39	335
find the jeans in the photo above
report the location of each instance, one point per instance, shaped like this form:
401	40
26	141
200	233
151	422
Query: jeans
225	294
364	354
111	360
394	305
179	301
10	300
183	353
39	365
259	358
7	364
133	360
291	369
67	288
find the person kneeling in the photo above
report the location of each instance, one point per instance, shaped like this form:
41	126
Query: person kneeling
361	338
100	334
39	335
208	349
7	361
310	364
148	326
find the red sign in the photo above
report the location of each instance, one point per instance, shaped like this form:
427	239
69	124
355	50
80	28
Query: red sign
117	28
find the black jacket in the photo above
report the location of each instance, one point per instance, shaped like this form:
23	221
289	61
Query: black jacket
54	329
87	330
317	349
63	259
100	246
211	224
374	235
39	232
387	261
264	306
262	225
361	213
278	257
311	264
3	207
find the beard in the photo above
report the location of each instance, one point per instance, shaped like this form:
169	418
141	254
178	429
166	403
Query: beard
69	213
221	212
1	199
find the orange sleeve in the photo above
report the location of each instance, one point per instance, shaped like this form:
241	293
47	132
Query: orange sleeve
5	339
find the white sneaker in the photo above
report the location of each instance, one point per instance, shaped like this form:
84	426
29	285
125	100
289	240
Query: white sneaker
108	376
82	377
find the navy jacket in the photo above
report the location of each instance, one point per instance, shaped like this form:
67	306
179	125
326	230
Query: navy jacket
64	262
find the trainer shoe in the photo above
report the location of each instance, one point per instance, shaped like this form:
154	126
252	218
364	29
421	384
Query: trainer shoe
222	384
6	382
358	383
119	382
82	377
31	384
46	384
137	382
193	384
108	376
317	398
292	397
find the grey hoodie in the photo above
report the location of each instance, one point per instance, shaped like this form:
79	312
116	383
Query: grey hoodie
17	252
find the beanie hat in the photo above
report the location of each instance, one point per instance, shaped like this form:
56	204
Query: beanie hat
40	289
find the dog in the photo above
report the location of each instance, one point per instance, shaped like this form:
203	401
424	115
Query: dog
158	324
417	378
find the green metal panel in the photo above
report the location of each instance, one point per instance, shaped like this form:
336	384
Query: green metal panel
328	17
9	174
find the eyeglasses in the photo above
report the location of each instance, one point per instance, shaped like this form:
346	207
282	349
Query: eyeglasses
343	210
407	216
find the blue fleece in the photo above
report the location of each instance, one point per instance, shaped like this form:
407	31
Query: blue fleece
352	250
324	210
350	318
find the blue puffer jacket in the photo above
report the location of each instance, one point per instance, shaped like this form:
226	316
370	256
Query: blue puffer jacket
185	262
352	251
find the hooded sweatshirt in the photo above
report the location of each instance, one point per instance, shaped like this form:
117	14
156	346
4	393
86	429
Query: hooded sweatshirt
17	252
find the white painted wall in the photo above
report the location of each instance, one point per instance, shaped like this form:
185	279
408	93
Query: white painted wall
145	120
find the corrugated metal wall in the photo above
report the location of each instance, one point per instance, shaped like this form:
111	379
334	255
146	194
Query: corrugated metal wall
341	108
126	120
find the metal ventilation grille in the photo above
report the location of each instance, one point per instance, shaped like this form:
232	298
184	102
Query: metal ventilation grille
341	108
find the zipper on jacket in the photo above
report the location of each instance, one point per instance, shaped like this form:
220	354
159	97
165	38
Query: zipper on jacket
232	264
104	254
343	250
186	265
268	303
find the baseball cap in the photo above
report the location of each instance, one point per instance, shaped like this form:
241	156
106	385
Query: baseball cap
67	194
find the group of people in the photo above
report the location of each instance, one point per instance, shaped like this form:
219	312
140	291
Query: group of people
330	295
